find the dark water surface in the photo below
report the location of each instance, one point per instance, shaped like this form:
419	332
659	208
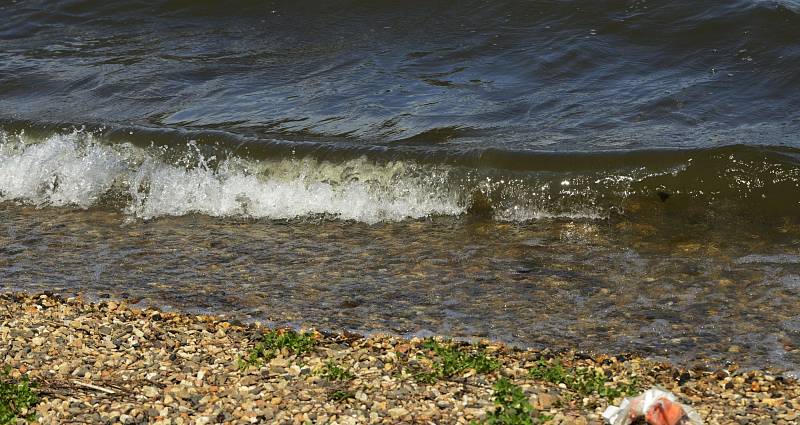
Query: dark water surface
611	175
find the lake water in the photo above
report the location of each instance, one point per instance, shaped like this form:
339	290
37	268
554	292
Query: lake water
612	176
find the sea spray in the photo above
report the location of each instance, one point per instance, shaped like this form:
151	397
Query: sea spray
77	170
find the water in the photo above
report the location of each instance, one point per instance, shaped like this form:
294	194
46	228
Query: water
611	176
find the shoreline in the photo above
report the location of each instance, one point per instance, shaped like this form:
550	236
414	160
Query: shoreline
105	362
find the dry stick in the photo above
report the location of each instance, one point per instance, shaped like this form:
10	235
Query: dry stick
95	387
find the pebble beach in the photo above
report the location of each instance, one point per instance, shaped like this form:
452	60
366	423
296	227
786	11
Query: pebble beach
110	363
504	212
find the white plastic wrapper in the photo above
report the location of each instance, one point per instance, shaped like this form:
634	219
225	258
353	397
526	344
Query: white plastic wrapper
656	407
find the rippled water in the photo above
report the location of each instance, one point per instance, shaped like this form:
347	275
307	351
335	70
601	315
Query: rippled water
470	74
596	285
611	176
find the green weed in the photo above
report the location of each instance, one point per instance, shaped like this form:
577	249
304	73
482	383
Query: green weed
582	380
450	360
511	406
544	418
333	372
17	398
341	395
274	341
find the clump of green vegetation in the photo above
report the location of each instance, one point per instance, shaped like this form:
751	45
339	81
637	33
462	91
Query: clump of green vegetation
583	380
333	372
450	360
17	398
511	406
274	341
550	372
341	395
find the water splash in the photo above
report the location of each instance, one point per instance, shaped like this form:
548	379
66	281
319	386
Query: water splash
77	170
92	169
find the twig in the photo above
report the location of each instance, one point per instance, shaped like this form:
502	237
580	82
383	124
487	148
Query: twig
95	387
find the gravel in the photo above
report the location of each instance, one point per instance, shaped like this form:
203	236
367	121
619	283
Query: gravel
110	363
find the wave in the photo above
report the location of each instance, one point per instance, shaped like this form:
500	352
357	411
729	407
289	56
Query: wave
83	169
582	75
76	170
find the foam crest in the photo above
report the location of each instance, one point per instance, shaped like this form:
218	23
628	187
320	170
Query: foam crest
232	191
60	171
76	170
84	170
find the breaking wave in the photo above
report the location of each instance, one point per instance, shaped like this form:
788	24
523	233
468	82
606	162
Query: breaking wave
82	169
76	170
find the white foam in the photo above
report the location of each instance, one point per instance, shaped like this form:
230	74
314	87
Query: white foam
231	191
58	172
75	170
533	214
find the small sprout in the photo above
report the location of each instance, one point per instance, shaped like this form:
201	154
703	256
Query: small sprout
17	398
274	341
426	377
333	372
341	395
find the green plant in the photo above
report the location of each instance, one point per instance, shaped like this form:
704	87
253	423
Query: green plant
511	405
333	372
583	380
426	377
450	360
274	341
17	398
550	372
341	395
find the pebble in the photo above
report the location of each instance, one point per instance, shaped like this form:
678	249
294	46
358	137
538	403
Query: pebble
164	367
398	412
544	401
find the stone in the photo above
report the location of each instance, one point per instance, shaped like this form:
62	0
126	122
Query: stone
544	401
398	412
150	392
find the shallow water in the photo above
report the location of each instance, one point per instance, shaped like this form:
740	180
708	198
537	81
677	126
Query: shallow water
611	176
596	285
